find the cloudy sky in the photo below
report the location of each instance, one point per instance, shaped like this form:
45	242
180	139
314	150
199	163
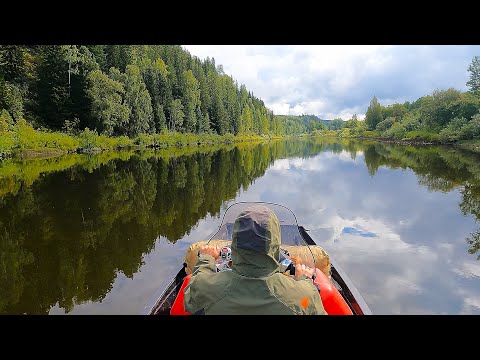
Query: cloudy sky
333	81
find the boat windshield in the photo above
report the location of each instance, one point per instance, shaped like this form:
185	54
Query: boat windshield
292	246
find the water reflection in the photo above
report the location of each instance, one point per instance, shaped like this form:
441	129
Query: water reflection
100	234
418	262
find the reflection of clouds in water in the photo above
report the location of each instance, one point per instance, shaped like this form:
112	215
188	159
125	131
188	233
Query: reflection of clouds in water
471	305
390	195
396	286
297	163
389	275
468	269
313	164
471	299
409	266
343	156
351	230
392	276
384	239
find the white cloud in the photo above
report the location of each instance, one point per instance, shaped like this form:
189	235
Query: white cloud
337	81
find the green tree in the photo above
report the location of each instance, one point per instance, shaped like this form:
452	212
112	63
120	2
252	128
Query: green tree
100	56
442	106
6	121
396	111
204	121
248	119
191	100
54	105
155	75
176	115
313	125
161	121
474	81
385	124
139	101
353	122
118	56
12	63
374	114
336	124
108	108
11	99
264	124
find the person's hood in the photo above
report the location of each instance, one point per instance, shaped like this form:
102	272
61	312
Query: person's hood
256	242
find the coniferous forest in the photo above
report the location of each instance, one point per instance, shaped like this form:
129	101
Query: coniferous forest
106	95
126	90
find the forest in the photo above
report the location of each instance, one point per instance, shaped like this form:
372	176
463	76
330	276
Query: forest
84	98
445	116
112	96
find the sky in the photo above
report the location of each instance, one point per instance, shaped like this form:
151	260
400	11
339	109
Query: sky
337	81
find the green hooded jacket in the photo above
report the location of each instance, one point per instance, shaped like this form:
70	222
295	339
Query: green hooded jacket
255	285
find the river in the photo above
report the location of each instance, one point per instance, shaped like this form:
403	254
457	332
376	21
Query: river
100	234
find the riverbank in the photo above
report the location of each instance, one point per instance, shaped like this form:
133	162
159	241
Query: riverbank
470	145
23	141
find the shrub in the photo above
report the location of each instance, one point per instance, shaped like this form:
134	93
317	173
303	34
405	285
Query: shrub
371	133
397	131
452	131
89	140
471	130
422	135
6	121
385	124
411	122
7	143
345	132
144	140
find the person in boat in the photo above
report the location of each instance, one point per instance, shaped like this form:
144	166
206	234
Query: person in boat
255	285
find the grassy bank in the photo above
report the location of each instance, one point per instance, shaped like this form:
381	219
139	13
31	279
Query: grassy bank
472	145
16	172
22	140
410	138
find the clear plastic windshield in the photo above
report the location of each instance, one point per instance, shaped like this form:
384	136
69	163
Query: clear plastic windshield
292	243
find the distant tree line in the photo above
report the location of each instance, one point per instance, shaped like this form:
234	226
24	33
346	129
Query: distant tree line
299	124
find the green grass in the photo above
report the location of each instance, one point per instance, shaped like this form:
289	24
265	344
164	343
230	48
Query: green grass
25	141
472	145
422	135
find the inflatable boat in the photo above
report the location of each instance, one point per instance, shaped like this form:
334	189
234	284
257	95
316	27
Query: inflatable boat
338	293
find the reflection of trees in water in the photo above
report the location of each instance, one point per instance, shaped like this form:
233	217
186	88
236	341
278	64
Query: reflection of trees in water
438	169
474	241
13	258
65	236
470	200
435	183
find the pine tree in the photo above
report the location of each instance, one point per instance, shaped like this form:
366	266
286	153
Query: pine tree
374	114
474	82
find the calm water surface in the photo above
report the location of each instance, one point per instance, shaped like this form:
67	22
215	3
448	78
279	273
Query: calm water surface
101	234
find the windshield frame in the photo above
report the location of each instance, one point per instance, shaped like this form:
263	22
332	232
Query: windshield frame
291	236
